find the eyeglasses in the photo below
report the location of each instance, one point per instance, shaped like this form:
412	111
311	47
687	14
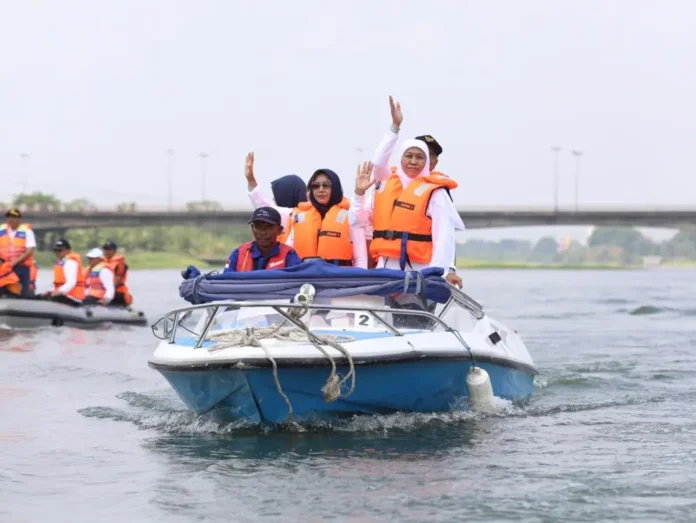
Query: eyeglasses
319	185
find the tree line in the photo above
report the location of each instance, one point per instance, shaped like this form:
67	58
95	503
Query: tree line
606	245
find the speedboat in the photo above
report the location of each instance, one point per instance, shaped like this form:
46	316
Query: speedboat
17	313
316	341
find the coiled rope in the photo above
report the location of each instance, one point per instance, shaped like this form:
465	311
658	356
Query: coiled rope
253	337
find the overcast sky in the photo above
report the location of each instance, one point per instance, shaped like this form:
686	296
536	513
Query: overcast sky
96	91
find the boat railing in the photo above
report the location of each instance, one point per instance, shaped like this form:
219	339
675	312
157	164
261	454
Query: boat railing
173	319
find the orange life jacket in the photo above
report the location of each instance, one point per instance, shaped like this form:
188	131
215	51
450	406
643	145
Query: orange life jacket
78	291
245	260
402	229
113	264
93	284
13	248
8	279
328	239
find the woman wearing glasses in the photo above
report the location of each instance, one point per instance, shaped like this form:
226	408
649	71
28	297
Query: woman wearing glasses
320	228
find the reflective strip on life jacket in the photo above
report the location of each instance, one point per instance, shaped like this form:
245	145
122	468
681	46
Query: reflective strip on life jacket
407	234
93	284
329	238
245	259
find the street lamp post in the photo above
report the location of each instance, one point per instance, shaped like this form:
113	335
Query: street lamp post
577	155
24	163
556	149
170	179
203	157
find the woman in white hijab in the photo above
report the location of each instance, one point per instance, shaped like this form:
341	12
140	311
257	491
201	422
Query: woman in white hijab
400	213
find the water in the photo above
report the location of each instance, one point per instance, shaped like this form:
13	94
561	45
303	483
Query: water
89	433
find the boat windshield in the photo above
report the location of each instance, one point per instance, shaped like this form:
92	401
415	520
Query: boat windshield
334	316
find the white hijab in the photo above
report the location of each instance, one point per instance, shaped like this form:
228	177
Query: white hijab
405	146
451	210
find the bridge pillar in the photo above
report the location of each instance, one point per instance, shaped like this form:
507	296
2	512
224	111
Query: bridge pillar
45	239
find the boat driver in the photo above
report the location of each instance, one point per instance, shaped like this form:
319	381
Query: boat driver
265	252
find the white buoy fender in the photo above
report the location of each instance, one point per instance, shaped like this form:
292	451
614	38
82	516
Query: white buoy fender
478	383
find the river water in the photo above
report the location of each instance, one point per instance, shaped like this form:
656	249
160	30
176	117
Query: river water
89	433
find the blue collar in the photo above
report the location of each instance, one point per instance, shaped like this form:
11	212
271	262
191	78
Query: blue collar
256	253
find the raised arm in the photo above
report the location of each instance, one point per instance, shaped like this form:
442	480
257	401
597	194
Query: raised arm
256	195
360	213
382	169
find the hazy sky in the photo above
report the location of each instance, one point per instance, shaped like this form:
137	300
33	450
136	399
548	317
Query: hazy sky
96	91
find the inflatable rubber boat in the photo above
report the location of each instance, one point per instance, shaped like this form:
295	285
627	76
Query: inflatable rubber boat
33	313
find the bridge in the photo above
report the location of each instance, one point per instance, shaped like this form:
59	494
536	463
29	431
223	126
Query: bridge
474	218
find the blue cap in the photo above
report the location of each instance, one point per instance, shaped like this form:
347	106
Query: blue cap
108	244
267	215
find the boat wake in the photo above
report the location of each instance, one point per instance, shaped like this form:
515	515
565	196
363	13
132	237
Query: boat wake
160	412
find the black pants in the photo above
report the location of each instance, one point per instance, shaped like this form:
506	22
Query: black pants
4	293
119	300
90	300
24	275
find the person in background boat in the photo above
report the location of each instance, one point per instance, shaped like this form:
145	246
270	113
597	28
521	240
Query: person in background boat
99	280
68	276
117	264
265	252
10	287
288	192
414	218
321	228
17	246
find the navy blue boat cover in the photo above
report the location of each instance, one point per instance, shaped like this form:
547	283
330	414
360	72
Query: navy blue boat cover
329	281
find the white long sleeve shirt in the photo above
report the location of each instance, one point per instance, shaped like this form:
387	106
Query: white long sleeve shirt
441	210
106	276
357	234
70	270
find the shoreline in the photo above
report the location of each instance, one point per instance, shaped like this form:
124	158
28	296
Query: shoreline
168	260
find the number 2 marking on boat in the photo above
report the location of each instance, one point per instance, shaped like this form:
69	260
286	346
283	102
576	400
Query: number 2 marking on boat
364	320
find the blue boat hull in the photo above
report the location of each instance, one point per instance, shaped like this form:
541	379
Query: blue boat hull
413	386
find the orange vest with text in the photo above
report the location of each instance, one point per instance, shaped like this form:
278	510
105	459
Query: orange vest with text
245	260
328	239
402	228
78	291
13	248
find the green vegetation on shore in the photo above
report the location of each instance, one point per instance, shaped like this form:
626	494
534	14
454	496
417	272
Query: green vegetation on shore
176	247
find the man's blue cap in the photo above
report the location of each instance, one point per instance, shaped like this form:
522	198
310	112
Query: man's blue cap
108	244
267	215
